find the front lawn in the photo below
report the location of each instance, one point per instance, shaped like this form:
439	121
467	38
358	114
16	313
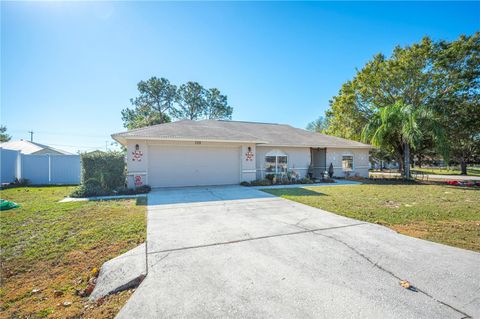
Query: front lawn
440	213
49	250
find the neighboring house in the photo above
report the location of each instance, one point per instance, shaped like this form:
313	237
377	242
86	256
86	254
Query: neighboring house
217	152
39	164
27	147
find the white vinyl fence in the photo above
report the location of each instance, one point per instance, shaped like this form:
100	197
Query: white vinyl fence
39	169
8	165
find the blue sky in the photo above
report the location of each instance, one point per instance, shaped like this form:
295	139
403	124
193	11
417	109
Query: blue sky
68	69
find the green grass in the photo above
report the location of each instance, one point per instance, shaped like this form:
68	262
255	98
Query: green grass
440	213
53	246
472	171
44	229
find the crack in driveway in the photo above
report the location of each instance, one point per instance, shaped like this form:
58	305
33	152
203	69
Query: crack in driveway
376	265
158	261
252	238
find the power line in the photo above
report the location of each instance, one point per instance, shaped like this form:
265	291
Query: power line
61	133
31	132
82	146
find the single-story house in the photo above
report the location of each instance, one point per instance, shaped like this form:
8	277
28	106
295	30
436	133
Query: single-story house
218	152
33	148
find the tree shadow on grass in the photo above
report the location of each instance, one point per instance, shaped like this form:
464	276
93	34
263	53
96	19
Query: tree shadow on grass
392	181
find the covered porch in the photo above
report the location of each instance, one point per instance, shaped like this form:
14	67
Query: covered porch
318	162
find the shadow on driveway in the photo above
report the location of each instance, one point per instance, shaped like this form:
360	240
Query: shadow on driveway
189	195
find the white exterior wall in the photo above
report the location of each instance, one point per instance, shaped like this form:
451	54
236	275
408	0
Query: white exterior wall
298	159
138	168
360	161
248	163
251	167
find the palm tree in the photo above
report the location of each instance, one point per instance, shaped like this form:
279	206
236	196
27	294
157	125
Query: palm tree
399	128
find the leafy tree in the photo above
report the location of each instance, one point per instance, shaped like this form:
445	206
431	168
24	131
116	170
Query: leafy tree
383	81
346	117
159	101
154	105
442	76
400	128
217	106
457	79
142	116
192	101
4	137
319	125
409	76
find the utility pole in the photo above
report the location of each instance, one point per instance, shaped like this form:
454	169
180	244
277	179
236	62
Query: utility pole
106	149
31	136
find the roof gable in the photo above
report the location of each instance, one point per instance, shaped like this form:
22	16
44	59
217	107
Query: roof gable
28	147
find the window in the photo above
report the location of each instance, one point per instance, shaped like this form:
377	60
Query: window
282	162
270	164
347	163
276	162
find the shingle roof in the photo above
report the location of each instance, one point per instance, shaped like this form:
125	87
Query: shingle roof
220	130
27	147
187	130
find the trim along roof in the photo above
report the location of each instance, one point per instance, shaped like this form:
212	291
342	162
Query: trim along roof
27	147
236	131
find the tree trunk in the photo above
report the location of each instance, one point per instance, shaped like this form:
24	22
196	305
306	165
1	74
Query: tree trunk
463	167
406	156
400	163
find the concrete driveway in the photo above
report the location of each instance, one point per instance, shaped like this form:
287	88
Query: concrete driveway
236	252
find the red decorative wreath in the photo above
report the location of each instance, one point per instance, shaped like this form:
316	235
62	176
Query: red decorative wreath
249	156
137	156
138	180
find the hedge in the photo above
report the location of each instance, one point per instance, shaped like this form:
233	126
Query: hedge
92	191
107	168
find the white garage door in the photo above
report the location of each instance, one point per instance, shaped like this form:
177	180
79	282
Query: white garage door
193	166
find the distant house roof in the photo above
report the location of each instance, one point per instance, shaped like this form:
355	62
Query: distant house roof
27	147
236	131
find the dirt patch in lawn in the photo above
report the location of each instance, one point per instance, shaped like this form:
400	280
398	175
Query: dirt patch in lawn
51	289
49	251
463	234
